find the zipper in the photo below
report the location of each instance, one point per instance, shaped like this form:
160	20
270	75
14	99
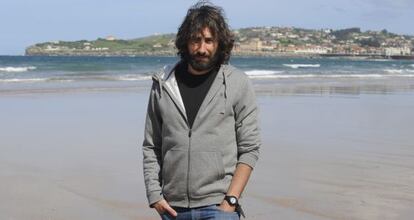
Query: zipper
188	167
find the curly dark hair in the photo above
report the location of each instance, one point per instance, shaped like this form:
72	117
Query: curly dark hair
201	15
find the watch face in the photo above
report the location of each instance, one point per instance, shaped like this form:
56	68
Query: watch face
233	200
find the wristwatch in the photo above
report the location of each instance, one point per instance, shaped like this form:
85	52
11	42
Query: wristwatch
232	200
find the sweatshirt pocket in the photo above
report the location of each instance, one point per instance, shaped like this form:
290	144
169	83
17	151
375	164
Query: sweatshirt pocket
206	173
174	173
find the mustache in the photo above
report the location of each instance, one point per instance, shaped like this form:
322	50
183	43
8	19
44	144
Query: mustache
199	54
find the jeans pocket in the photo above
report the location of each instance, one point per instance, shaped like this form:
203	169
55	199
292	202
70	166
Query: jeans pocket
166	216
221	214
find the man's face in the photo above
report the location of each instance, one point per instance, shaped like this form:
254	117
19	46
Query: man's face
202	50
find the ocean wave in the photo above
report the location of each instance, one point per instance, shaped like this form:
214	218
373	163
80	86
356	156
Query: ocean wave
282	76
296	66
128	77
372	76
398	71
85	77
363	76
394	71
14	69
380	60
333	76
262	72
77	79
132	78
22	80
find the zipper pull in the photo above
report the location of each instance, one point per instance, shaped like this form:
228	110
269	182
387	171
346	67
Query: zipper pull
189	133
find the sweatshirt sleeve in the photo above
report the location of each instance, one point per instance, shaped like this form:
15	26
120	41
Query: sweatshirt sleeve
151	149
247	128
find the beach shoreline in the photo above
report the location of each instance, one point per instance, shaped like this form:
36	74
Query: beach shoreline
271	86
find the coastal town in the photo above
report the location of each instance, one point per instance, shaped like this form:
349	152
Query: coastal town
256	41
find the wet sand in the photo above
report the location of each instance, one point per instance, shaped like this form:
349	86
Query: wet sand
335	157
324	156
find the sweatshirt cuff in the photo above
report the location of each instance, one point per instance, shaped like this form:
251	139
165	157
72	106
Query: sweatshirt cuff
248	159
154	197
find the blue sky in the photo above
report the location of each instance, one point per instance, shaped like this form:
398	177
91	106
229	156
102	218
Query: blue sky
23	22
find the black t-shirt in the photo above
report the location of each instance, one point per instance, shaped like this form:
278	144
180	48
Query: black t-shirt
193	89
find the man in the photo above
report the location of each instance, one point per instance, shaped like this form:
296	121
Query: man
201	131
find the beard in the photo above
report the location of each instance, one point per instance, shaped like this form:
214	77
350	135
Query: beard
202	65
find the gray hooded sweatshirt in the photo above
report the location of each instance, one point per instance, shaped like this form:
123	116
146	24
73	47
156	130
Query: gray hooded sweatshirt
194	167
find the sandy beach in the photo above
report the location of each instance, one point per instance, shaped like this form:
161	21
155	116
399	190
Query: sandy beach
77	155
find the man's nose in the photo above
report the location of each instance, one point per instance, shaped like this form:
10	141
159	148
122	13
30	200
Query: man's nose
202	48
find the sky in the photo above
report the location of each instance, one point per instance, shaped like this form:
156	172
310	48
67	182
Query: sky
23	22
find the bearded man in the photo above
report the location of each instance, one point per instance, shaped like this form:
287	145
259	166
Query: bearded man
201	138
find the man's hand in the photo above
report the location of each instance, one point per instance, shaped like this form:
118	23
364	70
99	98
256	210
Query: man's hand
162	207
226	207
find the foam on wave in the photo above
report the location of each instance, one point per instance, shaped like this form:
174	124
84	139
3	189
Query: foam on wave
14	69
297	66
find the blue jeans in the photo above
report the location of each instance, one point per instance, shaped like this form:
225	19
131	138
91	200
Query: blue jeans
211	212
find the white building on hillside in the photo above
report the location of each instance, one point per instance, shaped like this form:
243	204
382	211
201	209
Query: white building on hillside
397	51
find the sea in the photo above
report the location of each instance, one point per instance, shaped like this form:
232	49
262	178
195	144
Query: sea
270	75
